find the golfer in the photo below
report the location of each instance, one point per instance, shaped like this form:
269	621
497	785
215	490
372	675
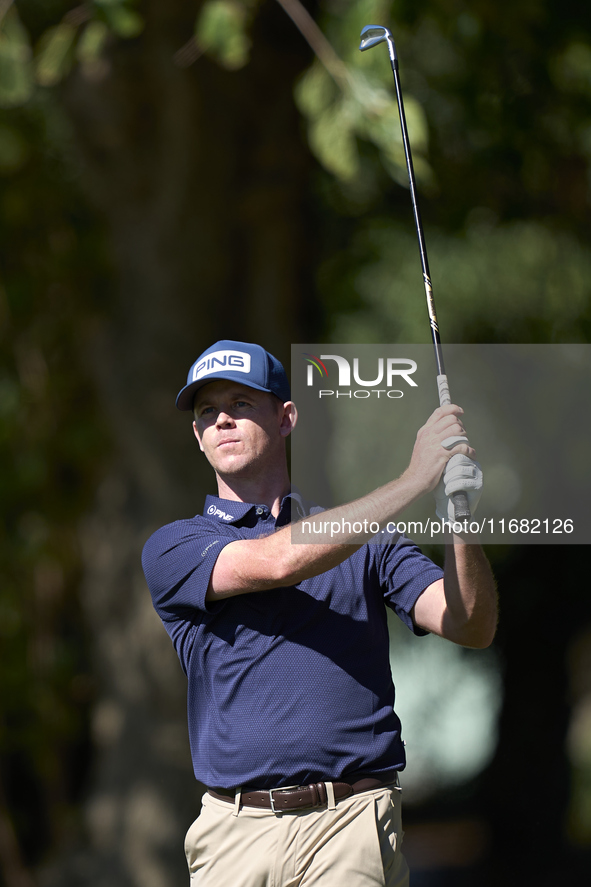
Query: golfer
285	646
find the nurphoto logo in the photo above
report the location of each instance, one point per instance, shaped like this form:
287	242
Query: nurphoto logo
389	370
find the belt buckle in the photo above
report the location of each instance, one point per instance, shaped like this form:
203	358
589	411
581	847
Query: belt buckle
284	788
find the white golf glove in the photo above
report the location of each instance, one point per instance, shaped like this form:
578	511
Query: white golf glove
461	473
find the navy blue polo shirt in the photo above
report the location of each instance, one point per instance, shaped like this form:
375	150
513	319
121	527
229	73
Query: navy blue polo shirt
293	685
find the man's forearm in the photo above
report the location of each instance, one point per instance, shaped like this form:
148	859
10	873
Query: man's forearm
461	607
275	561
471	595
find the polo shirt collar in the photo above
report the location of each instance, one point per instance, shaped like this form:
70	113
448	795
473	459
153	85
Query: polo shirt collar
293	508
229	511
225	511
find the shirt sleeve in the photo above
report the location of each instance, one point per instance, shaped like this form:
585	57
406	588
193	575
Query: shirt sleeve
178	561
405	572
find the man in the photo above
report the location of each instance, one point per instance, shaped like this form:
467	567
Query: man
290	696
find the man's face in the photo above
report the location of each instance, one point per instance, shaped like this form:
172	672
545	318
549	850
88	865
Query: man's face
240	430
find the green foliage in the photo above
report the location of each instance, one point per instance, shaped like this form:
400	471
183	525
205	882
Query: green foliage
572	68
121	18
333	121
341	102
16	78
221	31
507	102
81	35
55	55
360	103
90	47
518	282
358	107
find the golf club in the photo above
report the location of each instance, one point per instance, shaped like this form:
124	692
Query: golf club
371	35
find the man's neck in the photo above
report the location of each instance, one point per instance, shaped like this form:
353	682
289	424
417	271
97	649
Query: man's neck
260	491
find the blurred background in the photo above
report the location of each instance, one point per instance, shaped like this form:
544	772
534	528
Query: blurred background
176	172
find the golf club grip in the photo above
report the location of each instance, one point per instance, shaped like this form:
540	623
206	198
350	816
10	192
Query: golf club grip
460	499
461	507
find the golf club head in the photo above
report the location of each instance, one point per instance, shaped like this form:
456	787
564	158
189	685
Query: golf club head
371	35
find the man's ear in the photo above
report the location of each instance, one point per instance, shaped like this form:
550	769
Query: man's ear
196	433
289	418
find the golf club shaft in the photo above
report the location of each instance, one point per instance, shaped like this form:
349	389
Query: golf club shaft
459	499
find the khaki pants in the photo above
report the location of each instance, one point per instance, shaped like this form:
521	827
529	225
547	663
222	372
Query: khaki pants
355	844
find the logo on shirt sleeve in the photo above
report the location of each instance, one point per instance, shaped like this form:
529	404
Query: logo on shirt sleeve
211	544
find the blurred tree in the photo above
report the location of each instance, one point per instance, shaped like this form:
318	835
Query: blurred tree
198	176
51	445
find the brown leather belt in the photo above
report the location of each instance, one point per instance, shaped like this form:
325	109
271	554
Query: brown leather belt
299	797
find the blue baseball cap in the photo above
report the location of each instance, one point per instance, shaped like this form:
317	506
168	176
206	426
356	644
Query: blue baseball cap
240	362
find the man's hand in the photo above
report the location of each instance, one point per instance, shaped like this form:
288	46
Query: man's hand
429	456
461	473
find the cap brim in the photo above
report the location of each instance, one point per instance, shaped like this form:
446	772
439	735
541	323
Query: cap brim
186	395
